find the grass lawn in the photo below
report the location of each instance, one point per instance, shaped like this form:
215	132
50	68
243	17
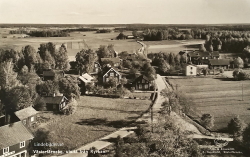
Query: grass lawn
94	118
221	98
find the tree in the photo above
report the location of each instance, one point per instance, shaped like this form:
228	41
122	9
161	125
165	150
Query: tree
163	66
246	138
238	62
17	98
150	73
123	81
48	87
121	36
8	78
85	61
61	59
236	126
69	87
202	48
93	152
31	57
112	82
49	60
207	120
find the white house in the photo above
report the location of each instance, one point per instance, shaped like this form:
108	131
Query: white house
191	70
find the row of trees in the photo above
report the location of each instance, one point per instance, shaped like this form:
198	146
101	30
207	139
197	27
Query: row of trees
47	33
167	62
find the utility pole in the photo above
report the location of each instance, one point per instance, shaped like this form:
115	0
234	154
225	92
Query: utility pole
242	92
152	112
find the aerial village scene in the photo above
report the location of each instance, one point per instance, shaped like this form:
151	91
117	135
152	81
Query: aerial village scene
124	78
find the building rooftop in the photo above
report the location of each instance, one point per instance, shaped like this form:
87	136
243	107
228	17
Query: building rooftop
53	100
14	133
219	61
25	113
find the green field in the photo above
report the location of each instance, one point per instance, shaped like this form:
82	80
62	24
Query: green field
221	98
94	118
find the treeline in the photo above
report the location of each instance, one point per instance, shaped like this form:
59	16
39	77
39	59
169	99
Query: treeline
103	31
81	30
19	31
49	33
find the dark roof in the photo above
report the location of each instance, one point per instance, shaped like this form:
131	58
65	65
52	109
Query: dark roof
53	100
141	77
48	73
12	134
115	60
203	54
25	113
190	64
106	69
219	61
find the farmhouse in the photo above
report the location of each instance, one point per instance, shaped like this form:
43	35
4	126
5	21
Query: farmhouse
112	61
142	83
110	72
55	103
219	63
199	57
15	140
27	116
190	70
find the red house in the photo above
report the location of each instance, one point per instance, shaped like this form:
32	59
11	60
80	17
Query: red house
15	139
27	116
109	72
55	103
142	83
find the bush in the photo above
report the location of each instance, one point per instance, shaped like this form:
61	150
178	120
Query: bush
236	126
207	120
240	75
71	108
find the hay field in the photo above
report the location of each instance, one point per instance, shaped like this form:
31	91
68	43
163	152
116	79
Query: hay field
219	97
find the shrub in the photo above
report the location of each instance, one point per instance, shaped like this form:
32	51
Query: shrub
71	108
207	120
236	126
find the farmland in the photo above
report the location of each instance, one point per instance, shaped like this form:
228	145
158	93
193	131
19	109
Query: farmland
94	118
93	40
217	96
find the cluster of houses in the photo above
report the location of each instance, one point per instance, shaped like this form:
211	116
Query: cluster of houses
201	60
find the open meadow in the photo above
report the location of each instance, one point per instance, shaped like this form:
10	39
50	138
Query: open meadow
174	46
217	96
94	118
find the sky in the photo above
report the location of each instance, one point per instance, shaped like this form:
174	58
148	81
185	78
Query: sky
125	11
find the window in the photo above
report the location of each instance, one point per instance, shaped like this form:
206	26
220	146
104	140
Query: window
146	86
111	74
107	79
143	81
191	72
31	119
6	150
96	65
191	68
202	57
24	122
140	86
22	144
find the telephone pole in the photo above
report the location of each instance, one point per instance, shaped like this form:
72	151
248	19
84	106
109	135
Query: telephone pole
242	92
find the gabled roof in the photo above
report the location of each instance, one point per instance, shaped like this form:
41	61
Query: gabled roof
25	113
115	60
53	100
219	61
107	69
190	65
141	77
14	133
